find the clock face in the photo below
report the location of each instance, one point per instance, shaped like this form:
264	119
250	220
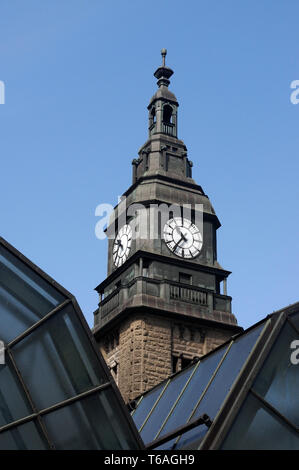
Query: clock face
122	245
182	237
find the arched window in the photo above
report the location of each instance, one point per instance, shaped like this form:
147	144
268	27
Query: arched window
167	113
152	120
153	115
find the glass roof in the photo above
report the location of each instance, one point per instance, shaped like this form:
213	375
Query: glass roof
269	416
197	390
55	389
262	415
25	297
164	405
257	428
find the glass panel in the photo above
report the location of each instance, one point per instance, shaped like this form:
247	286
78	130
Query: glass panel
192	393
93	423
227	373
24	437
192	439
25	297
162	409
189	440
146	405
57	360
13	402
257	428
278	380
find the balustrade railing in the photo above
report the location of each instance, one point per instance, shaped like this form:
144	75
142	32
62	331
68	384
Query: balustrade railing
109	304
187	294
169	129
170	292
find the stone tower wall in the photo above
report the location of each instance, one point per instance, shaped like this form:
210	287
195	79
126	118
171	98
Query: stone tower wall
146	349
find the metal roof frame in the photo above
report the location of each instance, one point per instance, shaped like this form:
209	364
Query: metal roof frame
110	383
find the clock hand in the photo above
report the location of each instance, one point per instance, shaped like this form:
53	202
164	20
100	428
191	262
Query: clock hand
120	246
177	243
180	232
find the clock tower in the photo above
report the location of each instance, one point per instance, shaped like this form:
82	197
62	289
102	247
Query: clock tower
164	301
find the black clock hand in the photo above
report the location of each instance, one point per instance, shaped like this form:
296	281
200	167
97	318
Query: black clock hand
116	248
120	246
175	246
180	232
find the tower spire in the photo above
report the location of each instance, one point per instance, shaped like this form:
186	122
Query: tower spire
163	54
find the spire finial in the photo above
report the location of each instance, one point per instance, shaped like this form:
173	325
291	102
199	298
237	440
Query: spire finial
163	54
163	73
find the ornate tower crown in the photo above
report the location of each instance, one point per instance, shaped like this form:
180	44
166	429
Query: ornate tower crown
163	153
163	105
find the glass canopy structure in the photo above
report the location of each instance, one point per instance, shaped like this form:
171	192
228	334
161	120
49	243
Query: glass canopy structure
55	389
242	395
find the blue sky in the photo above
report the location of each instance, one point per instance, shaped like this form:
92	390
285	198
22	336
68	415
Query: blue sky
78	77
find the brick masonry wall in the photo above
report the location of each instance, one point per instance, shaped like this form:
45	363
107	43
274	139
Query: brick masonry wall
144	350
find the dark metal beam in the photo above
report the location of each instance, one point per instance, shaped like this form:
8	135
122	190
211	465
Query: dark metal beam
204	419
